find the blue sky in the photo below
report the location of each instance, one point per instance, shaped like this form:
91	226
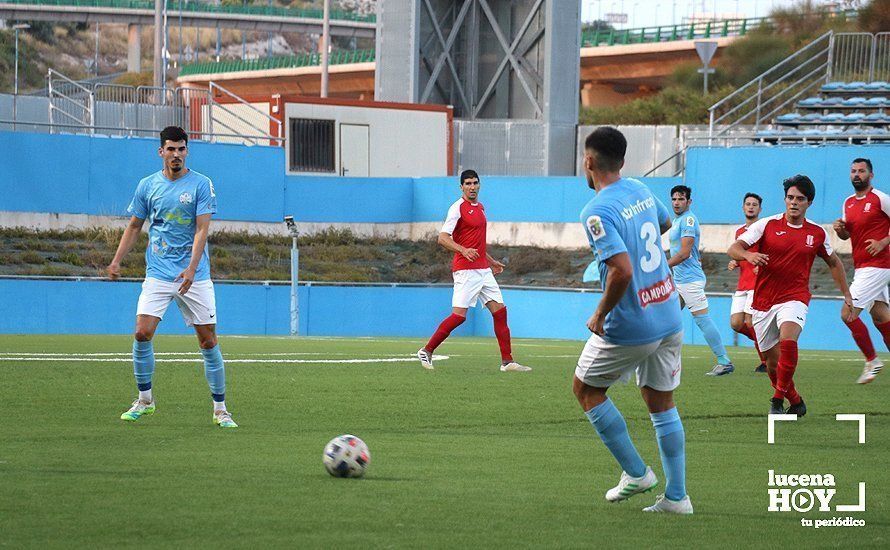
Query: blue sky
650	13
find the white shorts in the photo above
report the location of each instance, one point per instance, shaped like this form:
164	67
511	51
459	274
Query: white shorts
767	323
869	286
198	305
693	295
741	302
472	284
657	363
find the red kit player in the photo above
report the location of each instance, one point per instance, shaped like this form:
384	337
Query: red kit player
740	314
788	245
464	234
865	219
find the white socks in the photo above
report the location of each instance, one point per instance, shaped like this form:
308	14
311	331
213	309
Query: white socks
219	406
145	396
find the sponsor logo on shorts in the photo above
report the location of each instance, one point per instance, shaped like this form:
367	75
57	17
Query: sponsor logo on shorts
659	292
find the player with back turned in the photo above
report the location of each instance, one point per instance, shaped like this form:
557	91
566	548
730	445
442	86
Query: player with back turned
636	326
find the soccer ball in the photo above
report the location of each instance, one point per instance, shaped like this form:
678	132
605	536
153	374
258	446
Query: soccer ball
346	456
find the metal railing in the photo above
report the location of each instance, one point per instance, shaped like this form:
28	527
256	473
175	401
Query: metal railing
206	7
69	101
339	57
213	114
768	94
832	57
668	33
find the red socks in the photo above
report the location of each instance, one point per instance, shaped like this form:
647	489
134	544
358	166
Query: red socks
502	331
749	332
885	332
787	365
450	323
862	339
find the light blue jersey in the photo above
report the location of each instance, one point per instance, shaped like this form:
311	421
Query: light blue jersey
689	270
625	217
171	208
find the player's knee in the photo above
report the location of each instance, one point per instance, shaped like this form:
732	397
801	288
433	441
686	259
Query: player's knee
142	335
737	325
208	342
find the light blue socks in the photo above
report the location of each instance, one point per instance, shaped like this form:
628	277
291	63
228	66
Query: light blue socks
612	429
215	372
143	364
672	444
712	337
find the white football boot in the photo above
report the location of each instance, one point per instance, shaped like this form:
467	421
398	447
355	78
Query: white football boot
629	486
665	505
871	370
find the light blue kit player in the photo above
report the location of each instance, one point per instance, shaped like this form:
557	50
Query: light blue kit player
685	235
636	326
178	203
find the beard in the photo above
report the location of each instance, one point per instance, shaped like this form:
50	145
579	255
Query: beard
859	184
590	181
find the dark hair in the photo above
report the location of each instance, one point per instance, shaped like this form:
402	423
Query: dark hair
609	146
753	196
866	161
468	174
173	133
803	184
682	189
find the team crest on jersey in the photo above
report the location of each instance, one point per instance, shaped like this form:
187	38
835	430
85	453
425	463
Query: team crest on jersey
595	226
867	207
810	240
690	221
185	198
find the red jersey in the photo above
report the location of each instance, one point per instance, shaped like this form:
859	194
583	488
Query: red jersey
868	217
791	250
746	270
466	225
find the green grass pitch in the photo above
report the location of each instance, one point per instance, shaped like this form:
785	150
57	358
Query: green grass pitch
464	456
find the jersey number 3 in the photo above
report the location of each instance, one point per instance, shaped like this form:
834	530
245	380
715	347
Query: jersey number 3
649	234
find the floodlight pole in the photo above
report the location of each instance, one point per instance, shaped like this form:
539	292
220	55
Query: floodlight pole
294	276
325	46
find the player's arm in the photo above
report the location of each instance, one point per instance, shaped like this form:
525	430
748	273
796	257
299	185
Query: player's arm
496	266
839	274
664	216
202	230
128	239
618	278
448	243
876	246
686	244
840	229
739	252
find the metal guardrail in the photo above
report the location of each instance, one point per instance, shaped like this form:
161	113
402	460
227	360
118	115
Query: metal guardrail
845	57
119	110
205	7
339	57
668	33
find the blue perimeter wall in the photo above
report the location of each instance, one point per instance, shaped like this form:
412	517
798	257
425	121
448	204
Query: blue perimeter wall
46	307
97	176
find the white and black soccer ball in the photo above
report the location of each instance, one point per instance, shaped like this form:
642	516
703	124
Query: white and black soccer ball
346	456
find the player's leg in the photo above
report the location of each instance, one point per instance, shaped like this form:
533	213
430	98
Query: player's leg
767	331
790	327
860	290
697	302
153	302
198	307
740	321
601	364
749	323
490	295
880	316
467	285
658	376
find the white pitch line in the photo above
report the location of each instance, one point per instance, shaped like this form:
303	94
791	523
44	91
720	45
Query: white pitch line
181	354
230	361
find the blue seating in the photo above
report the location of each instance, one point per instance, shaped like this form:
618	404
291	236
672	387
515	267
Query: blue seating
833	87
812	117
790	117
833	118
853	118
876	117
810	102
877	101
852	86
853	102
877	86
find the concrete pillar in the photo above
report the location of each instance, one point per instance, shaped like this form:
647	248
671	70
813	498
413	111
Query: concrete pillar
134	48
